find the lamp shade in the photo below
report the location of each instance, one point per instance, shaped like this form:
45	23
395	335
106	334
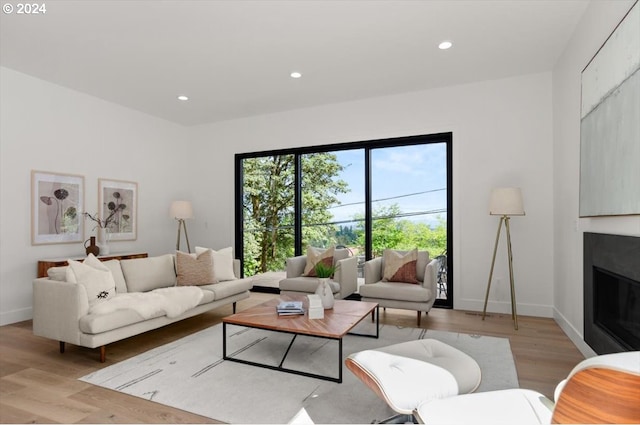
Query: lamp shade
181	210
506	201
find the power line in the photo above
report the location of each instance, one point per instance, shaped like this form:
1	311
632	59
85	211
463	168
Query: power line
401	215
392	197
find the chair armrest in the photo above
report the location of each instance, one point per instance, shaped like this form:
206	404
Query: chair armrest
57	309
347	275
373	270
431	276
296	265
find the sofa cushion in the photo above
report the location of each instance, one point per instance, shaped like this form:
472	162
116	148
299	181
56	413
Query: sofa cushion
195	270
94	276
315	256
396	291
226	289
146	274
305	284
222	263
116	271
400	267
98	323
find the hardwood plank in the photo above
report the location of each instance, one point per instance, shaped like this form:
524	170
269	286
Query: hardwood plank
543	354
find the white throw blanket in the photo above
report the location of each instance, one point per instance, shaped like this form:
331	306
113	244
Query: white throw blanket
171	301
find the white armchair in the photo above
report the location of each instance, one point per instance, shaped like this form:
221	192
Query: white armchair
418	296
343	284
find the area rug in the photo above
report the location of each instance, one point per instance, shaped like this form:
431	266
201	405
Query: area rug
189	374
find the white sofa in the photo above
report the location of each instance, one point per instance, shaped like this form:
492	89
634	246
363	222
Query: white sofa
61	309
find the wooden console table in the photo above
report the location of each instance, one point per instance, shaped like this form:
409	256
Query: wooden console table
44	265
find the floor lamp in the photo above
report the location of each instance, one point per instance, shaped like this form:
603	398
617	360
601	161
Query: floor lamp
181	210
505	202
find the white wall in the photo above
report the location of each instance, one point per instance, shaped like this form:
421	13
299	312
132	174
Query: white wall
51	128
502	135
598	22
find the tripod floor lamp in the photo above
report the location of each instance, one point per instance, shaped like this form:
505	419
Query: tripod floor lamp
505	202
181	210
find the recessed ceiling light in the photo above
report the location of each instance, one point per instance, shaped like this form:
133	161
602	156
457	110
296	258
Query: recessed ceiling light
445	45
296	75
183	97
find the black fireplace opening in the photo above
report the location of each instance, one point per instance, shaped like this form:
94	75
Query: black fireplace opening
617	307
611	292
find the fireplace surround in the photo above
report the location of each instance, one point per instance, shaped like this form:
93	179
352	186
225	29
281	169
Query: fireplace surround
611	292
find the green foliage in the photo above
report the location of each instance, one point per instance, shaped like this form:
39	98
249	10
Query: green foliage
268	206
324	270
393	233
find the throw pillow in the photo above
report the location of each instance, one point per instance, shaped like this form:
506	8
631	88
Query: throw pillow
399	267
222	263
195	269
94	276
315	256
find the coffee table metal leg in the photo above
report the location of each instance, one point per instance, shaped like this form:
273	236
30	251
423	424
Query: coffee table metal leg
288	348
224	340
340	361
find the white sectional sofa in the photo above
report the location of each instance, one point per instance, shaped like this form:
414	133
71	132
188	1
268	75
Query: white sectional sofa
62	310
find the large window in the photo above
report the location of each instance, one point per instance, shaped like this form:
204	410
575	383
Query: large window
366	196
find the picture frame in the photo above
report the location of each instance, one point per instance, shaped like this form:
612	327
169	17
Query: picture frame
57	203
118	203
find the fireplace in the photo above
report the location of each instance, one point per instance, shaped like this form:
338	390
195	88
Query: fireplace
611	292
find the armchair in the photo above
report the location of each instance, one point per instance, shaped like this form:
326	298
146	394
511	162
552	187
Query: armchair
418	296
343	284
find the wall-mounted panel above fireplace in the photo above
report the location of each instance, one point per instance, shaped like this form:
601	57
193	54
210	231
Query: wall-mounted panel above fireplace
611	292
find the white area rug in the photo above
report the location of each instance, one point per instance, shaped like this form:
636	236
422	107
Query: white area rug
189	374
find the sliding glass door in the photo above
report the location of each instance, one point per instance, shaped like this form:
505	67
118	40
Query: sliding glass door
364	196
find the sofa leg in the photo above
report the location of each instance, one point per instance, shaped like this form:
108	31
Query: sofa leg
234	308
419	316
103	353
61	346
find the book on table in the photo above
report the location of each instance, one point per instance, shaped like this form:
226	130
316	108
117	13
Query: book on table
286	308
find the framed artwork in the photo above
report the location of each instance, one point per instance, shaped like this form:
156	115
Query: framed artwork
57	202
609	126
118	208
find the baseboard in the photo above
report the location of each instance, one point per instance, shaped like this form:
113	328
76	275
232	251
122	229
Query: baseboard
573	334
504	308
15	316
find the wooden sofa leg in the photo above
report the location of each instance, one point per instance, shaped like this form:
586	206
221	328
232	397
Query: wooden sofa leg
234	308
61	346
419	316
103	353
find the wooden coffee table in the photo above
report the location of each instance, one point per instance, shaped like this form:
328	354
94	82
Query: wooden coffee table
337	322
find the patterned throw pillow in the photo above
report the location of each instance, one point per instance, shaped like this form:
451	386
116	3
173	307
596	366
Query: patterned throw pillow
195	270
400	267
316	255
94	276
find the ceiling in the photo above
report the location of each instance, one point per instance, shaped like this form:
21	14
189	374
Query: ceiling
233	58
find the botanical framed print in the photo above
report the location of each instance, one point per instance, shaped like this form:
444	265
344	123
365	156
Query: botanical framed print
118	208
57	202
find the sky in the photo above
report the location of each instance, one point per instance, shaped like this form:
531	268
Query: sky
396	171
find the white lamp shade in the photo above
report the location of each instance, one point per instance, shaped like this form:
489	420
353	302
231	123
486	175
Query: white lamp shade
506	201
181	210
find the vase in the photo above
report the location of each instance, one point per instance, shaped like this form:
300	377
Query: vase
325	293
103	241
92	248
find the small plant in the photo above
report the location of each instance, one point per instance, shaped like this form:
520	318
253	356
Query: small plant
324	270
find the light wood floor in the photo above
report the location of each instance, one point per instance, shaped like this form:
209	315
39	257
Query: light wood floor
38	384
